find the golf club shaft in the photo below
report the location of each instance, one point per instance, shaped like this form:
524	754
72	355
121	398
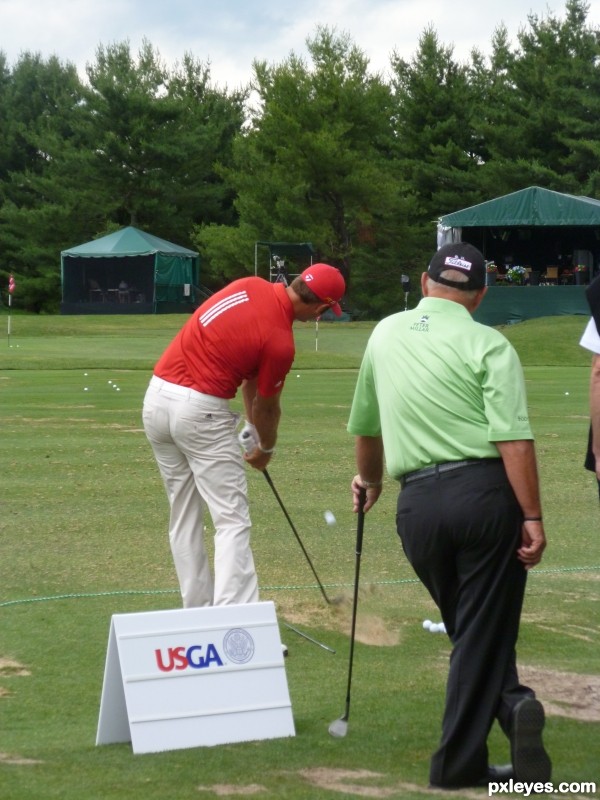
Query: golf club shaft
310	639
359	538
287	516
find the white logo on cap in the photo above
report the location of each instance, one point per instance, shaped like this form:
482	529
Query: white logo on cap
456	261
308	278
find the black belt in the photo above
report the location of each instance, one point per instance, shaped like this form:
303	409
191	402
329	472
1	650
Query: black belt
437	469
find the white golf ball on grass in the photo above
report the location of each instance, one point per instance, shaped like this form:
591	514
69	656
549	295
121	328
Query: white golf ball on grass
329	517
437	627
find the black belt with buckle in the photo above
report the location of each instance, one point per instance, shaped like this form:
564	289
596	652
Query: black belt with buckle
438	469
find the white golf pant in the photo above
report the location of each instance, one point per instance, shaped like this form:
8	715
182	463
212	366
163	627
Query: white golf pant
195	444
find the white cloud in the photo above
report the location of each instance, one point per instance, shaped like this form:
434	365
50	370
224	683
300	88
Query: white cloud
230	34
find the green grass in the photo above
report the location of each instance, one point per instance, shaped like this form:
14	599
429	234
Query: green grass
83	531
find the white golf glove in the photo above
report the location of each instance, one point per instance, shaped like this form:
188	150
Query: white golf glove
248	437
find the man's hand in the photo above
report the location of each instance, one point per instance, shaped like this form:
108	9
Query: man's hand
253	455
372	494
248	437
533	543
257	459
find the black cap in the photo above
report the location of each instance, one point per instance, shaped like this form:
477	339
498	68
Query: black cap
463	257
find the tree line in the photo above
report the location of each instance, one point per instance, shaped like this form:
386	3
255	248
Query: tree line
319	150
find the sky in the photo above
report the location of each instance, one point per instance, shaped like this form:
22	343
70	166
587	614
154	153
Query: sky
231	34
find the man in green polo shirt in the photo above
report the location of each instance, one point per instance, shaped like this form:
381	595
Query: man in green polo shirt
441	399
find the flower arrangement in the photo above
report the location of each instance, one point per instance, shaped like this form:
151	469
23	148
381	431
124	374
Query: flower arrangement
490	266
516	274
580	268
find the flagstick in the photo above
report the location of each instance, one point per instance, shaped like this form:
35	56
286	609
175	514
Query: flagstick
316	334
9	307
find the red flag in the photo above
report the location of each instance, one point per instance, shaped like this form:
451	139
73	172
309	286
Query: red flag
11	284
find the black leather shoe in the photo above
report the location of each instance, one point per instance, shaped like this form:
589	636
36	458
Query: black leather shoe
530	760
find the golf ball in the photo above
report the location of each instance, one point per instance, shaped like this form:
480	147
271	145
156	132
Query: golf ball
437	627
427	623
329	517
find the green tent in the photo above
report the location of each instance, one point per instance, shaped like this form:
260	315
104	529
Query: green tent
128	272
532	207
533	227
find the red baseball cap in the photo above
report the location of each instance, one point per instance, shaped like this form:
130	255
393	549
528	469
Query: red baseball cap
327	283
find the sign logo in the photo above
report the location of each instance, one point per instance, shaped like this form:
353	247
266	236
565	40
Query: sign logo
194	657
238	645
457	261
222	306
422	326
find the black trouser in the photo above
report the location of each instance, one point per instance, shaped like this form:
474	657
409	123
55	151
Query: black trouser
460	531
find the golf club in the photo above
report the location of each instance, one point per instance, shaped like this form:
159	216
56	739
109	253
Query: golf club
310	639
295	532
247	443
339	727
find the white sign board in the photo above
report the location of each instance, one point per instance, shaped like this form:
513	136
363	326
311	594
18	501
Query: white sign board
194	677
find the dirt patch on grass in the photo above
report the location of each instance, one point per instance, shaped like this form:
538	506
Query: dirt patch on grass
363	783
565	694
10	668
371	629
9	758
359	782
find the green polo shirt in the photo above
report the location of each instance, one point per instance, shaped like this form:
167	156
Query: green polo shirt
438	386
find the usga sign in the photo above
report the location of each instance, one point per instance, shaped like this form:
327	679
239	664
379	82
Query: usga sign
194	677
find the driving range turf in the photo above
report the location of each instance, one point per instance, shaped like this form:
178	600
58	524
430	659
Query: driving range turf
83	531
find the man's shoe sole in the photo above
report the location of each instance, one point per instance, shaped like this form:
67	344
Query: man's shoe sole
530	760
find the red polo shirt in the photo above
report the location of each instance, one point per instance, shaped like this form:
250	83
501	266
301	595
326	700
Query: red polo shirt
242	332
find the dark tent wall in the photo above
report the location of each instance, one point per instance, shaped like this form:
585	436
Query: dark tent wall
505	305
175	281
94	282
128	272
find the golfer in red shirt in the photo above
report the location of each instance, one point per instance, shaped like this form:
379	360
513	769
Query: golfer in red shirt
241	336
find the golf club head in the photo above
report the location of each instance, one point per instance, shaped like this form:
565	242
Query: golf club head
339	728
